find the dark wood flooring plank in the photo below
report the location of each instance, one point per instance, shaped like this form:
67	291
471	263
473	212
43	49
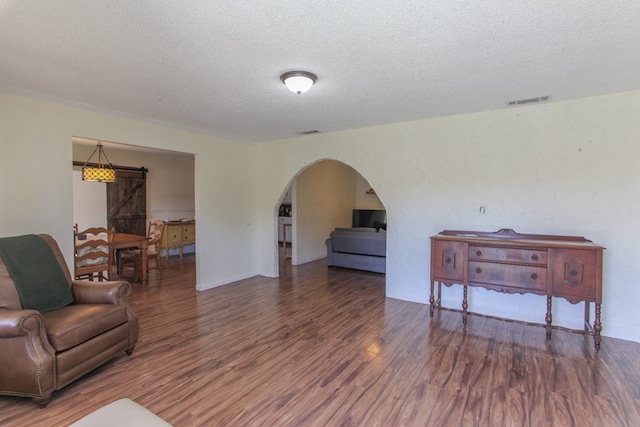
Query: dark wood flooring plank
324	347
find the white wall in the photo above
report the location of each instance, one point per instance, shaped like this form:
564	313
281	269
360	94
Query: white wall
364	200
564	167
170	187
325	195
36	135
170	181
558	168
89	202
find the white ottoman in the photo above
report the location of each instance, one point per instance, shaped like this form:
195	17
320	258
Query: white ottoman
121	413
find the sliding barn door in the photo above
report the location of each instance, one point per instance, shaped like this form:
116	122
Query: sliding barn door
127	203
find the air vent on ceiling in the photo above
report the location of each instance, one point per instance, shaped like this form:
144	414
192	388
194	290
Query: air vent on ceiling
528	101
308	132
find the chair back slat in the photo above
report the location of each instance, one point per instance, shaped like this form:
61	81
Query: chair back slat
93	252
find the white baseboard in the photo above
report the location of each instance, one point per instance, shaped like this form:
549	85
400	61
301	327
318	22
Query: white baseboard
304	261
205	286
187	249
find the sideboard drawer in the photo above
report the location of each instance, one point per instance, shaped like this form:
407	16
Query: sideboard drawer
488	253
515	276
189	234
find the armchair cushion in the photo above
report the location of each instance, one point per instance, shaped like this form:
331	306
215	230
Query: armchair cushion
36	273
75	324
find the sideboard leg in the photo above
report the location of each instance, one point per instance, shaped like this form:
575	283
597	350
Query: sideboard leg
548	318
464	305
432	300
597	327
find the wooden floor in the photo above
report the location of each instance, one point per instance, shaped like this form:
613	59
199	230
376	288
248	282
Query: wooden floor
324	347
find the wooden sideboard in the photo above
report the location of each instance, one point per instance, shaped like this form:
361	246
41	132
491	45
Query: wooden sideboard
177	234
568	267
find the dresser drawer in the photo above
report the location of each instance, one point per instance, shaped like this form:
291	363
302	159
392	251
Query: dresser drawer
516	255
188	234
514	276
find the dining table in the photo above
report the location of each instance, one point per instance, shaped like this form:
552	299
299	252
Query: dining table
128	241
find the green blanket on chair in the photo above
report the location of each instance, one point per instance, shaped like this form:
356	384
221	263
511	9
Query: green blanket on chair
39	279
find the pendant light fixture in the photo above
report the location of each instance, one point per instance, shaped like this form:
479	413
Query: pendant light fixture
298	81
100	172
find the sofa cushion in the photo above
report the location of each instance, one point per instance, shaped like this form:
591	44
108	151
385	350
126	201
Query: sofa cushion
354	242
75	324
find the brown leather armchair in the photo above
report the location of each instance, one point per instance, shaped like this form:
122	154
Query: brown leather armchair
41	352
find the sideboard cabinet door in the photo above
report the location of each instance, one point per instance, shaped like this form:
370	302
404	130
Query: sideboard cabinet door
449	257
173	233
575	274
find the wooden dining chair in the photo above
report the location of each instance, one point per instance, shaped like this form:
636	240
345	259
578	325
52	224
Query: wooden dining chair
93	254
132	258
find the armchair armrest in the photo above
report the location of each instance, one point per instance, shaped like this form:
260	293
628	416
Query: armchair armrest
27	359
111	292
329	252
14	323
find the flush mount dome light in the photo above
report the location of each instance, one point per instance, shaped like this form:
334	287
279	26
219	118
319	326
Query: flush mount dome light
298	81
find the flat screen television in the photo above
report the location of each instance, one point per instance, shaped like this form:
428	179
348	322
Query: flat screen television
375	218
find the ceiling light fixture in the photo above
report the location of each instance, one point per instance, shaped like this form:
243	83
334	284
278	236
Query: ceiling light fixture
298	81
100	172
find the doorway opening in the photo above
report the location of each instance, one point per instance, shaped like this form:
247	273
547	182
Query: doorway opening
164	191
322	196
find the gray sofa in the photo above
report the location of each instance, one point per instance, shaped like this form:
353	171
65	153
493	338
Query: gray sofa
358	248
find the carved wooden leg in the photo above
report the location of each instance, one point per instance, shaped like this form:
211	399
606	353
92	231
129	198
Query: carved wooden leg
464	305
432	300
597	327
548	317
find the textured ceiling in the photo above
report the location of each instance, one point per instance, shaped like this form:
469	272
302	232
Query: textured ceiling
214	65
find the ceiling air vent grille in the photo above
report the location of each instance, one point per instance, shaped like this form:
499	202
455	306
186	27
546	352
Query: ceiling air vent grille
529	101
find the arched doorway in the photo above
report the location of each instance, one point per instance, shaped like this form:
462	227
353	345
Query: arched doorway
323	196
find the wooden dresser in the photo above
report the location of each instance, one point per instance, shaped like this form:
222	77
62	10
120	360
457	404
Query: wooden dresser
177	234
505	261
